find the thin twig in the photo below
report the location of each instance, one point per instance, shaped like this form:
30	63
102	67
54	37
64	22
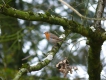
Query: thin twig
76	43
80	15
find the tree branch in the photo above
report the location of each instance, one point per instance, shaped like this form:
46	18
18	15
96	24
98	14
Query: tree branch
67	24
79	14
42	64
99	13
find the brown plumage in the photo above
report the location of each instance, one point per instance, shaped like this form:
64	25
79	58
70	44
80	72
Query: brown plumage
52	37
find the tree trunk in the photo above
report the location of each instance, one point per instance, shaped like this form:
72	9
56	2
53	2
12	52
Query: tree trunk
94	64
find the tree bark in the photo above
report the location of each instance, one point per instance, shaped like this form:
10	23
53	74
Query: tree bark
94	64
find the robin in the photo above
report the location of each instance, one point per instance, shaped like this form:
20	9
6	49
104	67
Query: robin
52	37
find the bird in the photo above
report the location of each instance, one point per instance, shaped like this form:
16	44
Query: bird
52	38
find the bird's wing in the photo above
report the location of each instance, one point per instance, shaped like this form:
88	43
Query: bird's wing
54	36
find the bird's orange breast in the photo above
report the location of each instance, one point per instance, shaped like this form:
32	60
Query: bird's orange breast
47	36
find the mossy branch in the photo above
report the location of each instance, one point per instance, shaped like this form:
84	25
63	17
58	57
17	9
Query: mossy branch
40	65
67	24
50	55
